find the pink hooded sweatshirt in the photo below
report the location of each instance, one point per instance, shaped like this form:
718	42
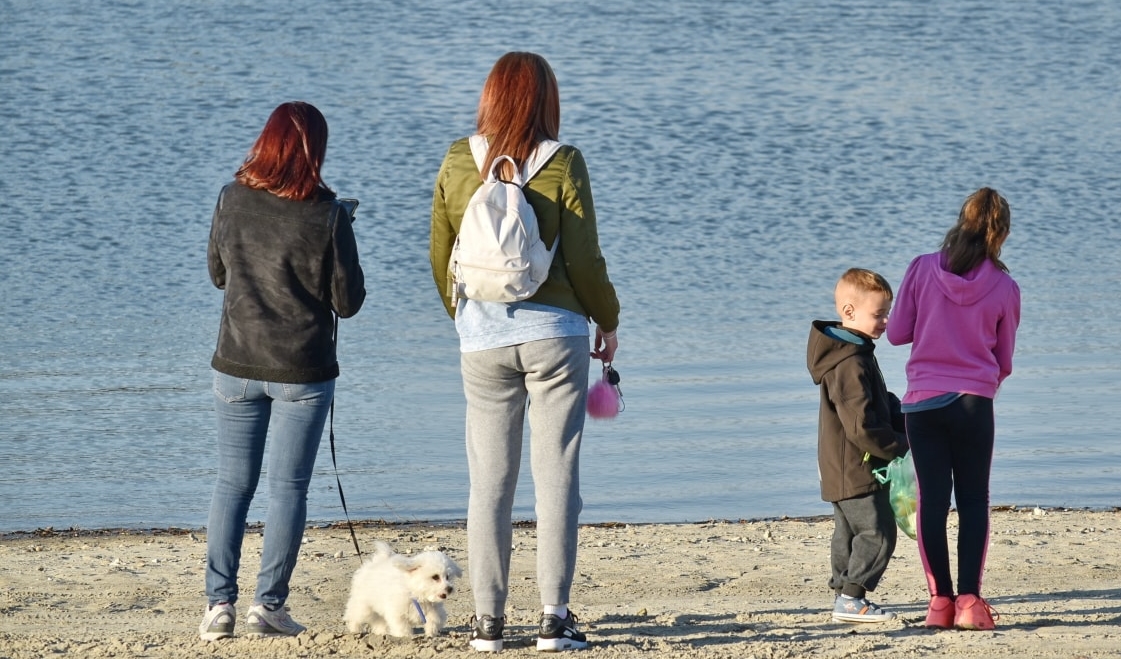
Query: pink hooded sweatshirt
962	328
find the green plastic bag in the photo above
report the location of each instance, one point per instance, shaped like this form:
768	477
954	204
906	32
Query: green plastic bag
900	473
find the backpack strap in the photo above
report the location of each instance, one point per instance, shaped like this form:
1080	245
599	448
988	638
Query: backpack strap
537	159
541	155
479	147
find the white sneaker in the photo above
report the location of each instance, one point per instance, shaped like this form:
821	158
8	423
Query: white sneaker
218	622
262	622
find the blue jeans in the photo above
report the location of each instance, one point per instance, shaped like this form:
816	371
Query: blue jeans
244	409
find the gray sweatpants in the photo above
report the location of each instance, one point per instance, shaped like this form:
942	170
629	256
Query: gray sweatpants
864	535
553	375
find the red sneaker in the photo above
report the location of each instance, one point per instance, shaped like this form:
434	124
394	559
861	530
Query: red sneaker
940	613
974	613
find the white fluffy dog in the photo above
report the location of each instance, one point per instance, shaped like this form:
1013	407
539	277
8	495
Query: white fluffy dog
392	593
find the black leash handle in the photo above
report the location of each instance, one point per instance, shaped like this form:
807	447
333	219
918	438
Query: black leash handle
334	462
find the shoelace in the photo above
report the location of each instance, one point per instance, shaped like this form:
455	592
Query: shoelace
561	622
992	612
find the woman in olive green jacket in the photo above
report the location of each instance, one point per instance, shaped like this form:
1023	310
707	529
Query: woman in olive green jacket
533	350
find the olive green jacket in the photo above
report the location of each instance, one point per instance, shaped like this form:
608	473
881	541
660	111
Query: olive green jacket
561	197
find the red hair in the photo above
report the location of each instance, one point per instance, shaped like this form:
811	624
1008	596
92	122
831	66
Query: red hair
519	107
287	157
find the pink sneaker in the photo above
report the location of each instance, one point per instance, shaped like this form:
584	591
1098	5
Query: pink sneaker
974	613
940	613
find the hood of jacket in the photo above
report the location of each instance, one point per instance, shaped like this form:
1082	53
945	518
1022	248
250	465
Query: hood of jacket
824	352
966	289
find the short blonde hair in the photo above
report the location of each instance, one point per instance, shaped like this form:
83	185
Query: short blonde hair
858	282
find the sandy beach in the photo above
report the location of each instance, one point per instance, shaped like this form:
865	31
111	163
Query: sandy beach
715	589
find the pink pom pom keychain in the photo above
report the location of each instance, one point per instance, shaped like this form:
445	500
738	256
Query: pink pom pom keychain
605	398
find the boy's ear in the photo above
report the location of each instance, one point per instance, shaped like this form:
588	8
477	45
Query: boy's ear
847	310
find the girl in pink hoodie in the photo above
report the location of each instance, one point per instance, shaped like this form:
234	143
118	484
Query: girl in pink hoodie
959	310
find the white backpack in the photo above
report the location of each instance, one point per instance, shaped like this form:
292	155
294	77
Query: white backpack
498	255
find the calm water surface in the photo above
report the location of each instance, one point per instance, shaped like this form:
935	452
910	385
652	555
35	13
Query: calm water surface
742	154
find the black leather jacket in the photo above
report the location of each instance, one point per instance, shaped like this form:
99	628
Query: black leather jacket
284	266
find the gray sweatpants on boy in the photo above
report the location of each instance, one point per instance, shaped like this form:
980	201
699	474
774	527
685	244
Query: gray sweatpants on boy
864	535
553	374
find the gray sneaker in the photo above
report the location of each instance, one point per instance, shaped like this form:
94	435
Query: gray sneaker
262	622
859	609
218	622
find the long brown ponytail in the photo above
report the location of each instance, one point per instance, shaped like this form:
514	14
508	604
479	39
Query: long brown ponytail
982	226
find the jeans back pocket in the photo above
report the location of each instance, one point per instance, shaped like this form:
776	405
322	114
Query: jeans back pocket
229	388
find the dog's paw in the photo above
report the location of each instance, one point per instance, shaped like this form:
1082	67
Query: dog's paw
353	624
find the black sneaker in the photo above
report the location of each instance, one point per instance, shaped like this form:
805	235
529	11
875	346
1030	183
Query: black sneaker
486	633
557	635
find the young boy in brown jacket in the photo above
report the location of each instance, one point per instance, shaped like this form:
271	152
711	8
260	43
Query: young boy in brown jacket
856	434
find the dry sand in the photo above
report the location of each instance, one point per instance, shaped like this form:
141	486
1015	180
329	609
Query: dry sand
716	589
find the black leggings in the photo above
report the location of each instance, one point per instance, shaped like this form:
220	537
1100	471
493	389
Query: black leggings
952	448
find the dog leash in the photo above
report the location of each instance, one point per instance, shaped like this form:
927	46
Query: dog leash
334	462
